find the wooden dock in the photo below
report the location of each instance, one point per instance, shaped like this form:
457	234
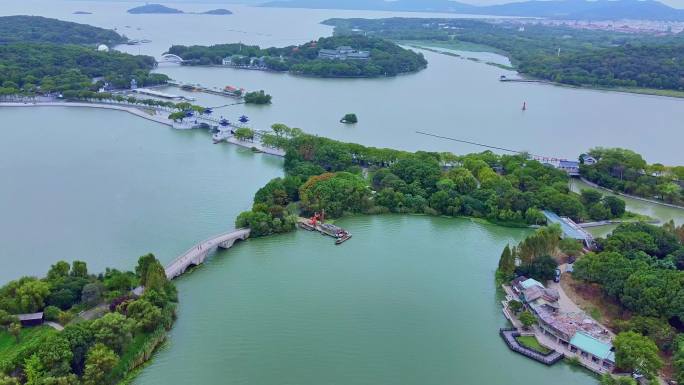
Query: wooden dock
509	336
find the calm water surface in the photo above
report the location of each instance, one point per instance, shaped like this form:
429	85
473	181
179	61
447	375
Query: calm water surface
107	187
409	300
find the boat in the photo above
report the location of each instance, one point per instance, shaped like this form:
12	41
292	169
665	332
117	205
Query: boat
524	107
342	239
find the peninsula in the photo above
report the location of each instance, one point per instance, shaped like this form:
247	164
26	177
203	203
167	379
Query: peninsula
565	54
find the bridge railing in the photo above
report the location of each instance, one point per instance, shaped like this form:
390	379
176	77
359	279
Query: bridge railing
193	248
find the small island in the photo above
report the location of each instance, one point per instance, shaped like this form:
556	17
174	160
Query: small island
153	8
219	11
345	56
349	119
257	97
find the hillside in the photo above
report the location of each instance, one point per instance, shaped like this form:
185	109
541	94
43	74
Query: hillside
560	9
36	29
153	8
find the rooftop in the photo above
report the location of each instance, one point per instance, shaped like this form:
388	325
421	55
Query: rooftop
530	282
30	316
593	346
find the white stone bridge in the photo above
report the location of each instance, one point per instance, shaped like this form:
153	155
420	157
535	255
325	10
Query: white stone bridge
198	253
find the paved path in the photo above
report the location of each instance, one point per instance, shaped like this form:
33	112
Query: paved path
198	253
55	325
594	185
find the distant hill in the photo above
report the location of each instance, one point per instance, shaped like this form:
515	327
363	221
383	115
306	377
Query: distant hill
153	8
561	9
219	11
36	29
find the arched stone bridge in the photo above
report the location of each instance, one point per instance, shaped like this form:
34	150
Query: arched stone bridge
198	253
170	58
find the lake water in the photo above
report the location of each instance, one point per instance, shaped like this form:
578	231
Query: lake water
409	300
107	187
453	97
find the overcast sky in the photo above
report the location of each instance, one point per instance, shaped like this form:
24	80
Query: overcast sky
672	3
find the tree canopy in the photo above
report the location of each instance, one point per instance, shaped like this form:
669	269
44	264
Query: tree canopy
386	58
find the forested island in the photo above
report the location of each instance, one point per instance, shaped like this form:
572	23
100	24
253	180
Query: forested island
162	9
153	8
360	56
627	172
324	174
45	64
218	11
560	54
36	29
98	330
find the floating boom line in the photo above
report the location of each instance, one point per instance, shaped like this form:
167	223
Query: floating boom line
475	143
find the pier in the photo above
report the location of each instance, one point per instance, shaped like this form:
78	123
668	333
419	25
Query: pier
339	234
509	336
234	93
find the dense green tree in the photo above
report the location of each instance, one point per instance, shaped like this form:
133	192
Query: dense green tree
635	352
58	270
79	269
36	29
148	317
80	337
527	319
92	293
507	262
99	365
541	268
335	193
55	356
113	330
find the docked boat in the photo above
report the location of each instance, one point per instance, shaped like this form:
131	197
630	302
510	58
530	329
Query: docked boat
343	239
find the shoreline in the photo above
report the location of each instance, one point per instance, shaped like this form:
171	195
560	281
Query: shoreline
673	94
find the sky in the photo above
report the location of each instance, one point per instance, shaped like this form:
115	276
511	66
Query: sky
671	3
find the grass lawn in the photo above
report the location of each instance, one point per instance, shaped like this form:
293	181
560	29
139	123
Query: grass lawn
532	343
9	348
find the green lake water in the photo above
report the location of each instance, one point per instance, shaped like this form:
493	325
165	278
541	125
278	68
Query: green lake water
408	300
